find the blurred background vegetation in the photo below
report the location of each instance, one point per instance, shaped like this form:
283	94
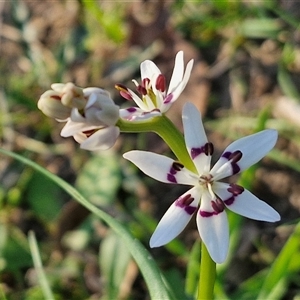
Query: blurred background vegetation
245	78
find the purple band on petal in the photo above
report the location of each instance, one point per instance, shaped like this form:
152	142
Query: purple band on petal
131	109
207	149
168	99
234	157
229	201
171	178
235	190
184	202
176	167
206	214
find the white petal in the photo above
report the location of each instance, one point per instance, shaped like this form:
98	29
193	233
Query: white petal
176	91
214	233
175	219
160	167
102	139
253	148
72	128
246	204
195	138
139	102
149	69
177	72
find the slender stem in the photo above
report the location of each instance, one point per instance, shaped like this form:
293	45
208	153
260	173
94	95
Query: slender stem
207	276
162	126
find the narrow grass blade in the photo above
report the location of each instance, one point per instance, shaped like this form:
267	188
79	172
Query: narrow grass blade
39	267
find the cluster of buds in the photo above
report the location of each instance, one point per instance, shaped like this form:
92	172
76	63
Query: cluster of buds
90	114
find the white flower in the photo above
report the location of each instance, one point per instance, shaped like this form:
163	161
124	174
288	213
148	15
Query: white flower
207	195
94	126
90	113
155	99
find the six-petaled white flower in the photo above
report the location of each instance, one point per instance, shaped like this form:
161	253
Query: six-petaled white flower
90	113
207	193
155	99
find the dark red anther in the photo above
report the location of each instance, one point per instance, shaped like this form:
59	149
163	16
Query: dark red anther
184	201
235	156
161	83
177	166
142	90
208	149
235	189
218	205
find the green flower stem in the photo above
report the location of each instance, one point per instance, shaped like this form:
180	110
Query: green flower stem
207	276
162	126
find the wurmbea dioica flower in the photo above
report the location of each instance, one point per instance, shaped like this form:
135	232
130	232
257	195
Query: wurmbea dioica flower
90	113
154	98
208	195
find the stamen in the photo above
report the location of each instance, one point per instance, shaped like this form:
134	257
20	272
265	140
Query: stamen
233	158
176	167
218	205
184	202
207	149
235	189
161	83
142	90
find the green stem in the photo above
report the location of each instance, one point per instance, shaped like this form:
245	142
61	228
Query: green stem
167	131
174	138
207	276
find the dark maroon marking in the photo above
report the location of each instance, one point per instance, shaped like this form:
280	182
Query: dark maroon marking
161	83
207	149
206	214
168	99
141	90
171	178
235	190
88	133
229	201
176	167
131	109
233	157
148	112
218	205
55	97
145	82
184	202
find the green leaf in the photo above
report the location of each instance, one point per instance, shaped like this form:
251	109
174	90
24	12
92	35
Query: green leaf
100	179
113	258
280	269
157	285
